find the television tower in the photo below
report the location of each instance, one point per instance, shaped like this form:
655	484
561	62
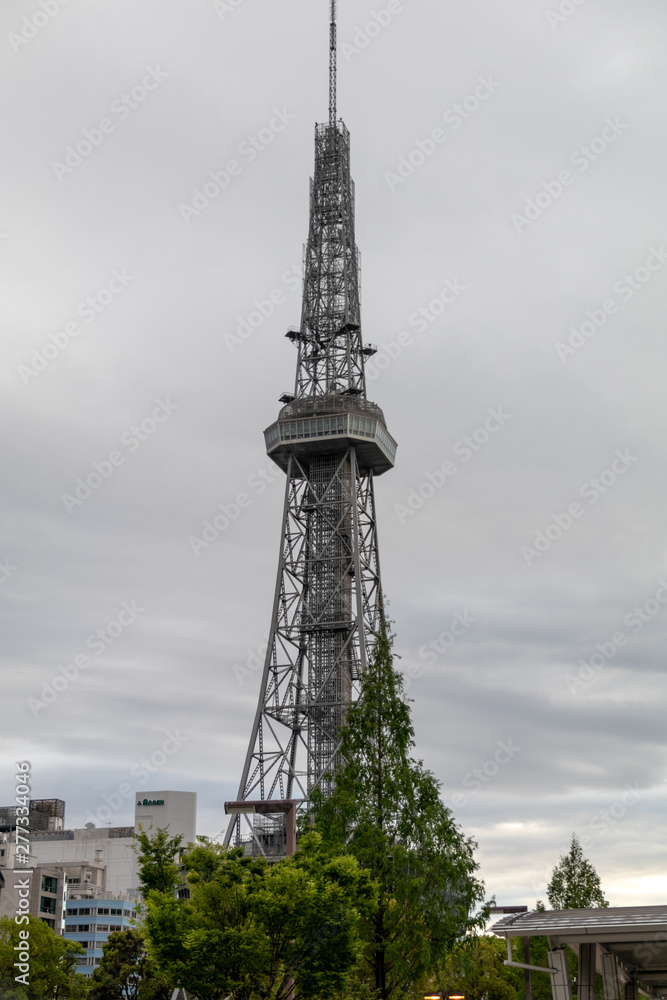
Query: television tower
331	442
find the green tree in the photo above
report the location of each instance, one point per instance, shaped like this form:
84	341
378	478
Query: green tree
157	856
475	968
53	959
126	971
386	812
250	927
574	882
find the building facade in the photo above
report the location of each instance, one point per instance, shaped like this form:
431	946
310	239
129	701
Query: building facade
91	921
46	889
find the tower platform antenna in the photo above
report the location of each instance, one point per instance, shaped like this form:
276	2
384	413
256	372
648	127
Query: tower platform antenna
333	45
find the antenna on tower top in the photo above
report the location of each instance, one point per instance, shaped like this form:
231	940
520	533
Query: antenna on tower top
332	65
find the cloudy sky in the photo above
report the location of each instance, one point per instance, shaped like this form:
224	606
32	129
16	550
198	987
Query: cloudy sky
509	162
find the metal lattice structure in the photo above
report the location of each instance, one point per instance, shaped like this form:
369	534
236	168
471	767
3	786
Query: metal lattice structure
331	442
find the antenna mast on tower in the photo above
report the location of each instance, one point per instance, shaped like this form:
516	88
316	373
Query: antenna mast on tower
332	65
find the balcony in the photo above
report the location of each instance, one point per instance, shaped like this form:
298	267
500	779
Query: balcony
330	425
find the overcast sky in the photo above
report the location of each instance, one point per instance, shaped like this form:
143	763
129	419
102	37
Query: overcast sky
510	169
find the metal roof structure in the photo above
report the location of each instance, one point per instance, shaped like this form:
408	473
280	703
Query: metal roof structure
627	945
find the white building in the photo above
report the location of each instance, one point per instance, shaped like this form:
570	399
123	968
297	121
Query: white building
113	846
175	810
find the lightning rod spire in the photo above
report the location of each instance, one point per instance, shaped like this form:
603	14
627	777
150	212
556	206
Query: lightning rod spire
332	64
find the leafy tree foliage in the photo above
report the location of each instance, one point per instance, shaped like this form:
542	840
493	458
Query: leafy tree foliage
386	812
574	882
52	974
158	869
126	971
251	928
475	968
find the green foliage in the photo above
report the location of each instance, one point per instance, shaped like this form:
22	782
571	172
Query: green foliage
251	926
158	871
574	882
126	971
386	812
52	974
475	968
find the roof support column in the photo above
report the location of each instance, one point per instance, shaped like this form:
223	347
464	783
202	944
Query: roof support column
561	988
611	978
587	973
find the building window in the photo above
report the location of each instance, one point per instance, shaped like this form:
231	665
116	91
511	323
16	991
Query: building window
73	881
83	928
49	884
102	928
116	913
47	905
104	911
51	923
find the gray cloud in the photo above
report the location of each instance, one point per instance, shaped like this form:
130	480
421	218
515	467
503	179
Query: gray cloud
193	282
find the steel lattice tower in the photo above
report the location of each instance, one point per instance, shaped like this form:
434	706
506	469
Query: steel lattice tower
331	442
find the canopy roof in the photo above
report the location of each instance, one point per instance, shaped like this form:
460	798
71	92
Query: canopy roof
637	935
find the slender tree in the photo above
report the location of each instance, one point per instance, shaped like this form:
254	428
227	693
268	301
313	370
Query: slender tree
575	882
158	858
386	812
126	971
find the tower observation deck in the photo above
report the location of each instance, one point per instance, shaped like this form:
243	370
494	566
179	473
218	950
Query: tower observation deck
331	442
